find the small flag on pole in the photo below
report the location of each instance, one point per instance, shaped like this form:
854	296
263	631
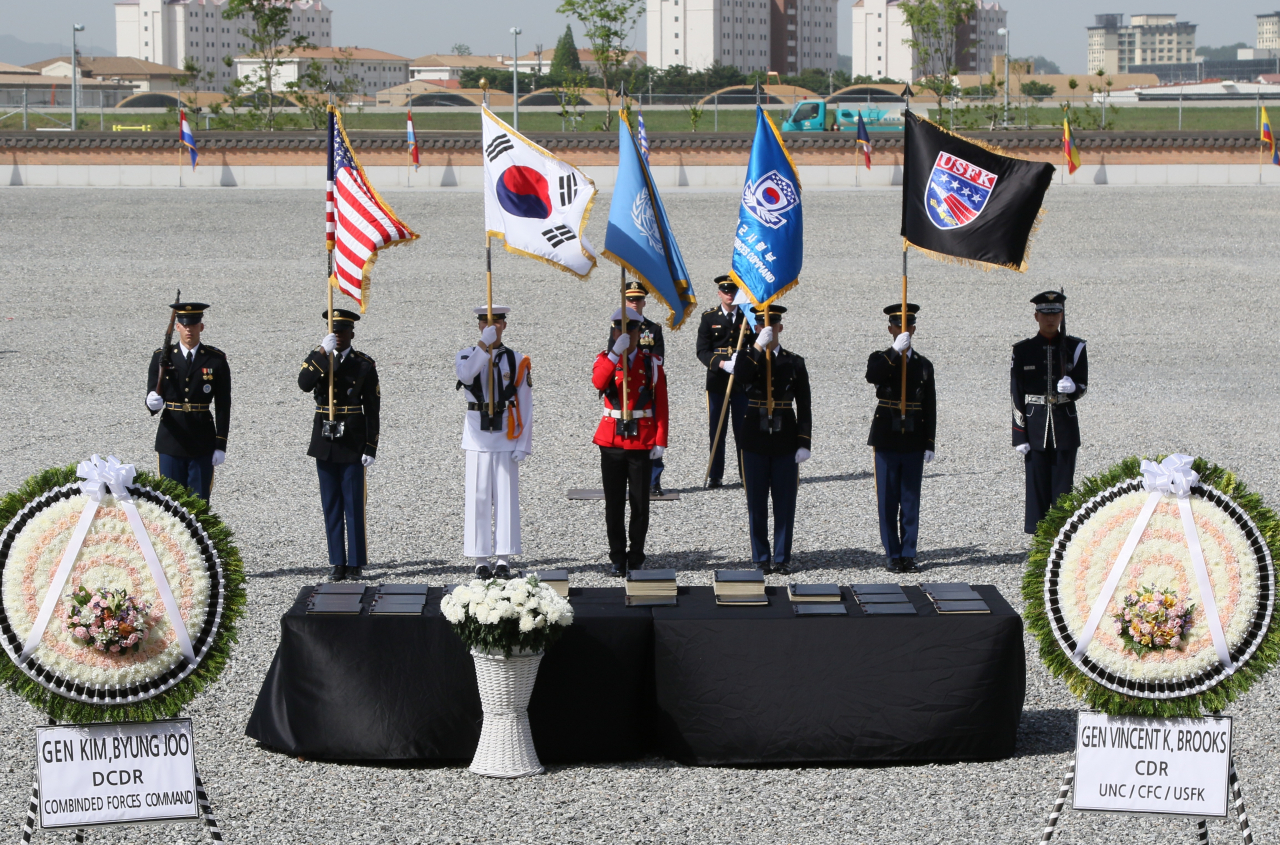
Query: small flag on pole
1269	137
535	202
642	137
964	201
188	139
357	222
413	143
768	246
864	140
639	235
1069	148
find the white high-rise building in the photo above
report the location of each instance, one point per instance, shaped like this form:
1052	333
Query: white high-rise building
880	30
1269	31
1147	40
169	31
699	33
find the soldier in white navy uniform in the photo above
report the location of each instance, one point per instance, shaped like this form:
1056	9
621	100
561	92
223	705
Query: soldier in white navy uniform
1048	374
495	443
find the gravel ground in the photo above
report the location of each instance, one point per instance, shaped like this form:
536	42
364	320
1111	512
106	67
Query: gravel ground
1163	282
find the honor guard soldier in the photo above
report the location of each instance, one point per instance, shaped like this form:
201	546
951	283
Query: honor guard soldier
903	445
717	345
345	446
651	339
185	380
1047	375
629	443
496	439
773	447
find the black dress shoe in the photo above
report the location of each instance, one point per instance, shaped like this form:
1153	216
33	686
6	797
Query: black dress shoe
339	573
894	564
502	571
715	484
907	564
355	573
483	572
782	568
656	492
617	572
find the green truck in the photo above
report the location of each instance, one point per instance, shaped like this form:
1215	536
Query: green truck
821	116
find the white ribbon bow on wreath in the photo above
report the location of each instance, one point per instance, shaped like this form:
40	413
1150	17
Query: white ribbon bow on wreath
1173	476
100	477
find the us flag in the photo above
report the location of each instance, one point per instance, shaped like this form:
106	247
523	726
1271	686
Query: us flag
357	222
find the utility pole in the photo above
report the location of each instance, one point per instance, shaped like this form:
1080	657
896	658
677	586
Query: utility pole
1005	32
75	72
515	77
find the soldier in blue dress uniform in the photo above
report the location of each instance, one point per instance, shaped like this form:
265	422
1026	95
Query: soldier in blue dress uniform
345	449
902	446
1048	374
717	342
772	448
191	439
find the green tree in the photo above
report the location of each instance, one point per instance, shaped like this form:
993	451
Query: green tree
316	83
565	61
1035	88
460	49
270	43
192	77
933	26
609	23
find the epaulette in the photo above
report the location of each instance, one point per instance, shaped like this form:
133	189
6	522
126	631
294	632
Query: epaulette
712	309
215	350
362	356
159	349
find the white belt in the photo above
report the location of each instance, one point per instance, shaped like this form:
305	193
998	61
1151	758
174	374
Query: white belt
635	415
1039	399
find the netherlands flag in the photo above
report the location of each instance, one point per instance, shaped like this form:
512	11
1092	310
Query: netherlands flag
188	140
413	143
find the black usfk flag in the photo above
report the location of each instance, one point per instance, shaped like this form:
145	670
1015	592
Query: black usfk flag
968	202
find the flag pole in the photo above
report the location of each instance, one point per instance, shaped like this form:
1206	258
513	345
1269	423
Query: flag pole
626	410
328	280
724	409
488	280
768	368
902	402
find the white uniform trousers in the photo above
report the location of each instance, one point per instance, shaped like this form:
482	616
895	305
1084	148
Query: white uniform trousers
493	505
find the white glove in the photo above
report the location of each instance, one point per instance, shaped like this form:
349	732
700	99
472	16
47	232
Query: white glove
727	366
1066	384
329	343
1022	448
489	335
622	344
519	456
218	457
765	337
928	456
902	342
155	401
367	460
803	455
657	452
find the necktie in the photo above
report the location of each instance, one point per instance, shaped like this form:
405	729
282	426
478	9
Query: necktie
191	356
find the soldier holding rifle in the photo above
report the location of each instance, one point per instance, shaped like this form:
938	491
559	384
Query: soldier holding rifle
1048	373
185	381
720	337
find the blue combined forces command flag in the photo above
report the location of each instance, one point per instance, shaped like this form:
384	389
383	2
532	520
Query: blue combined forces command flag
968	202
768	246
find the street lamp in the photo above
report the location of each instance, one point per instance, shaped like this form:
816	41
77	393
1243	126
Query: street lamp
515	77
1005	32
75	71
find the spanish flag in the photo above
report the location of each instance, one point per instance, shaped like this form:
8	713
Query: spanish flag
1069	148
1269	137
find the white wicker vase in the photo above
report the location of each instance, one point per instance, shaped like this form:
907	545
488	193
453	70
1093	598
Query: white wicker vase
506	743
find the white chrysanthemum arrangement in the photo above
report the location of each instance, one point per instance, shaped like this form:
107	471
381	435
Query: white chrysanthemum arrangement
505	616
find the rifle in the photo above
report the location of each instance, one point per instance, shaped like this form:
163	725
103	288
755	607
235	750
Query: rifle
166	354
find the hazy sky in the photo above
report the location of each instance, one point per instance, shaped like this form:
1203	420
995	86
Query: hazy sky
1052	28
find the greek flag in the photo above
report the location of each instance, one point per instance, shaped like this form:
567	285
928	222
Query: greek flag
639	236
768	247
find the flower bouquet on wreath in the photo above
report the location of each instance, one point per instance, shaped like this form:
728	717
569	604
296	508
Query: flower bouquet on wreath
507	625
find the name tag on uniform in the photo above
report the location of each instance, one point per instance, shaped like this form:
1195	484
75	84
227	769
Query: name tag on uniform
1029	367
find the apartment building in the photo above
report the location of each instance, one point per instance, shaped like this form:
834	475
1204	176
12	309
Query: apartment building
880	33
1146	40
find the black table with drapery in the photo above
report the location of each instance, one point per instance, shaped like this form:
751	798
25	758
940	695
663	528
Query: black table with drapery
759	685
699	683
404	687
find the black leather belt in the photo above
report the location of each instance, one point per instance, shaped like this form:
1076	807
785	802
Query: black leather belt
778	404
484	406
186	406
340	409
896	405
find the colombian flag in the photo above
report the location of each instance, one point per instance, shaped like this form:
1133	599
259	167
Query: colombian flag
1269	137
1069	148
864	141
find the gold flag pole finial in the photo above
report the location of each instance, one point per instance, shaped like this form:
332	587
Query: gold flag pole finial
484	86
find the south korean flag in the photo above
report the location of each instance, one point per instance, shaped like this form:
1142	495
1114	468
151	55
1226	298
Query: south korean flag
534	201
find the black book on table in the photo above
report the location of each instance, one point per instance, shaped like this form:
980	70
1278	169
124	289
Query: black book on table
338	589
958	595
399	598
869	589
651	601
882	598
651	575
402	589
813	592
552	575
751	576
396	608
949	586
347	603
820	610
890	609
962	606
755	600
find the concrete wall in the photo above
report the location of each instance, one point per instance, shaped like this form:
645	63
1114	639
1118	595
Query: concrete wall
727	178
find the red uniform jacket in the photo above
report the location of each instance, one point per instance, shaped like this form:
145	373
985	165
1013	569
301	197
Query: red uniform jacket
653	429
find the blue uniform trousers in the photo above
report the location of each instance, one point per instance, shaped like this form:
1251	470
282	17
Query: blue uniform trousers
765	477
196	473
1049	474
658	467
342	494
898	477
737	413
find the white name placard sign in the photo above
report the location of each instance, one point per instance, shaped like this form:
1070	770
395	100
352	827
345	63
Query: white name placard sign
116	774
1135	765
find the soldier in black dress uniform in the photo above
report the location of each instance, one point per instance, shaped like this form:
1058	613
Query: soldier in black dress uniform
902	448
717	342
650	341
344	451
191	440
773	449
1048	374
